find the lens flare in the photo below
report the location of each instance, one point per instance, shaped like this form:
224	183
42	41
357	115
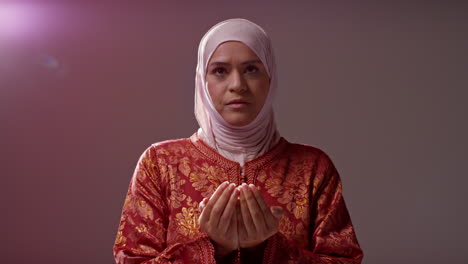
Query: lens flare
16	19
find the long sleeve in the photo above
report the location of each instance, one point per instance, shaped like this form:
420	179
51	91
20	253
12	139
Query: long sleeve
142	232
332	238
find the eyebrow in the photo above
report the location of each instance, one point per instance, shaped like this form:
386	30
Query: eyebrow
220	63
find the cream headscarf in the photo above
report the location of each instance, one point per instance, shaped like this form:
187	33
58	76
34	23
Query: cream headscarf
238	143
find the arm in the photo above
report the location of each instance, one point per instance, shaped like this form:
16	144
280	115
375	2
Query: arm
141	236
333	239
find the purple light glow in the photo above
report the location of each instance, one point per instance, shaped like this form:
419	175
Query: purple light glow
13	19
19	20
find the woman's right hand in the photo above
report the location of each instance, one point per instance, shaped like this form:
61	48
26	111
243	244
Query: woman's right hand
218	218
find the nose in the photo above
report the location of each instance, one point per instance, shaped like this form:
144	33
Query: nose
237	83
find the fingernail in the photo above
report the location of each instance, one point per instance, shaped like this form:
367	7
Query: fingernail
278	210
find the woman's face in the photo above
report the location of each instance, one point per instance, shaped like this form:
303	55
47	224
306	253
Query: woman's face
238	82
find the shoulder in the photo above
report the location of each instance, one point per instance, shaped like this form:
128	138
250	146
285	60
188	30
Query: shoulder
312	155
318	161
157	155
308	152
167	147
172	144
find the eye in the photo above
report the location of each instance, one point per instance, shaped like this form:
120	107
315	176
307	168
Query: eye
219	71
251	69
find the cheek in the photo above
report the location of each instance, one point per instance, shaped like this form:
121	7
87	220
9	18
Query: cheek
214	88
262	89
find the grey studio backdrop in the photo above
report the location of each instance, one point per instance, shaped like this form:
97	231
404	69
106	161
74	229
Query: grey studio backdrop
380	86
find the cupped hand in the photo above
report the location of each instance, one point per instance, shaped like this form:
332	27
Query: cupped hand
218	218
256	220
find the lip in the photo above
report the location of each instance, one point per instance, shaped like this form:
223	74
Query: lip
237	105
237	101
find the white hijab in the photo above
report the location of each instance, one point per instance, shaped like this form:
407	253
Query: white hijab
238	143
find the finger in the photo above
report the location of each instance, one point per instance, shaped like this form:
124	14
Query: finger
205	215
240	223
220	205
277	211
203	204
255	210
233	228
246	216
269	218
229	211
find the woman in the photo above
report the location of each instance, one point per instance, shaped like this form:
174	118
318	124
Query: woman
235	191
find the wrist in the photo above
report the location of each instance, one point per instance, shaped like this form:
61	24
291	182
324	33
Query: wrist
256	247
253	254
221	251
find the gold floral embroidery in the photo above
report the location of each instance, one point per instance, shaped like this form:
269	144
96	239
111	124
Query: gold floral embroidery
286	227
184	166
158	228
274	186
177	149
207	179
127	200
295	198
143	209
177	195
145	250
292	189
262	176
163	152
187	220
277	171
294	232
142	228
147	166
120	239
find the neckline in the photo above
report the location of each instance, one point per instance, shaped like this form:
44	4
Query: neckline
256	163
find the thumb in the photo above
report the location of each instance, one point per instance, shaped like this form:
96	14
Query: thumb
277	211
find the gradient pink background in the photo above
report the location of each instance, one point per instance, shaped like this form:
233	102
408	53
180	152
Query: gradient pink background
85	87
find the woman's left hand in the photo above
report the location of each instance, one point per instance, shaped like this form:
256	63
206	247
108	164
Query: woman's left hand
256	220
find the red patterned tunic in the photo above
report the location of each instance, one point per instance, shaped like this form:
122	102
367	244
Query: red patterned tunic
159	222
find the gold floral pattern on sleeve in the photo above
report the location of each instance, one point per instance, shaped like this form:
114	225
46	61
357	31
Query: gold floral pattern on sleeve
120	238
143	209
184	166
187	220
177	195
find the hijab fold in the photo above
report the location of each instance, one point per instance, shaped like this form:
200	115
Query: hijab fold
238	143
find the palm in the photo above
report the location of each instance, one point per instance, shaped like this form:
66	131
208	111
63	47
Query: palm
230	225
218	219
256	220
